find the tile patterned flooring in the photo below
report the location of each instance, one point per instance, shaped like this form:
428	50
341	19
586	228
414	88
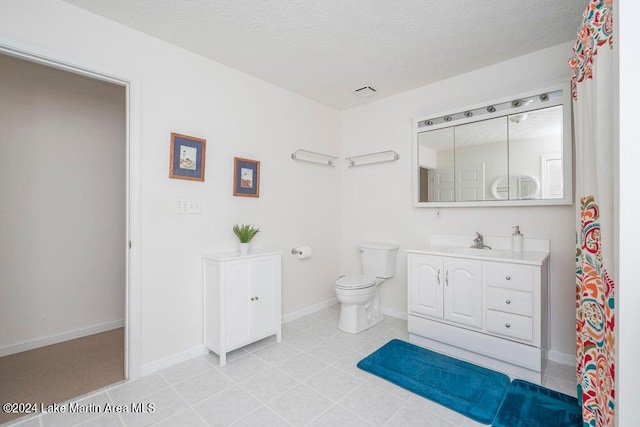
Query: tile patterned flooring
309	379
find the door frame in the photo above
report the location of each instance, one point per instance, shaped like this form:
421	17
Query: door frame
131	245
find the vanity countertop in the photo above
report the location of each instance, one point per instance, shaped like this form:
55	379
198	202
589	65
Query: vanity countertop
536	251
525	257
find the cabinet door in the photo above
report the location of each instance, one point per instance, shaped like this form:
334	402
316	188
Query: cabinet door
463	292
425	285
237	305
264	288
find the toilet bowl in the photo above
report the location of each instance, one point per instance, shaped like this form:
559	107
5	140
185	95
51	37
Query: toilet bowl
358	293
360	307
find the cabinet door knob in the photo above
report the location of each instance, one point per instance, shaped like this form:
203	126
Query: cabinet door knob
256	298
507	325
508	277
508	301
252	299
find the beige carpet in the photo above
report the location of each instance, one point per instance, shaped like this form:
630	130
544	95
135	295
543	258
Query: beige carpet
60	372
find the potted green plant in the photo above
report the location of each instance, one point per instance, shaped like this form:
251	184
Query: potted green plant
245	233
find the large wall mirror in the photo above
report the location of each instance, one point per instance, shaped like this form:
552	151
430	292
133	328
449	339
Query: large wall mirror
509	152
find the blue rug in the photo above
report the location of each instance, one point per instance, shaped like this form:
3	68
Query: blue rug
471	390
531	405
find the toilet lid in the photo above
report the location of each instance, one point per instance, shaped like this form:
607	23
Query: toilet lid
355	281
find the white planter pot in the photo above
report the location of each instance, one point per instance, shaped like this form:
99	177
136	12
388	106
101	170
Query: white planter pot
245	248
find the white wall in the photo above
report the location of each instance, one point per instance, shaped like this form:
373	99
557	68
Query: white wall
238	115
62	265
377	200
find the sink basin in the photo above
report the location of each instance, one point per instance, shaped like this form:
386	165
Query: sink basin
481	252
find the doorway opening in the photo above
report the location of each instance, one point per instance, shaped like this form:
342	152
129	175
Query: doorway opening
64	249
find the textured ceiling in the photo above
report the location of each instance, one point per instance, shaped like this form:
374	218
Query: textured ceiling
325	49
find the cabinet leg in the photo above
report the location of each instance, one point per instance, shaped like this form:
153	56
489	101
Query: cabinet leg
223	358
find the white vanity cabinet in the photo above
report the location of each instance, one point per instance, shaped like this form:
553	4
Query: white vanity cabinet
446	288
488	310
242	301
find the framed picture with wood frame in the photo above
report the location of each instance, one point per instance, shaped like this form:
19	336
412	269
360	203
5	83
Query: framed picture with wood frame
187	157
246	177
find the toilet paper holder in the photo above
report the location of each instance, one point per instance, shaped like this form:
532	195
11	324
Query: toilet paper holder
302	252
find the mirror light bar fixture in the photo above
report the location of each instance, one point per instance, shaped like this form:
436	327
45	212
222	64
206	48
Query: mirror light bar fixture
526	104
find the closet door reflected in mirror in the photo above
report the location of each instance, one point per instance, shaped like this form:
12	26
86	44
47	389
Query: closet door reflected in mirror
515	152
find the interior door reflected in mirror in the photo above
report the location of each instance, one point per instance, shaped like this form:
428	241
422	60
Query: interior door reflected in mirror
508	153
535	156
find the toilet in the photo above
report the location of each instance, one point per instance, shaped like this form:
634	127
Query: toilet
358	293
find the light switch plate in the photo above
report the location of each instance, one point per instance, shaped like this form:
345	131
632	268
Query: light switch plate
185	206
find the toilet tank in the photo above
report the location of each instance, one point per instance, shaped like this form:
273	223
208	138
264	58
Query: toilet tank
378	258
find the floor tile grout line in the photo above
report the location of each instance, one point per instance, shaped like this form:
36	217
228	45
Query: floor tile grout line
193	405
333	404
396	413
91	394
275	397
357	415
256	410
188	406
136	380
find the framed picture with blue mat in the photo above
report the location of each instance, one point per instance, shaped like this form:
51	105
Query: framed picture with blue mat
187	157
246	177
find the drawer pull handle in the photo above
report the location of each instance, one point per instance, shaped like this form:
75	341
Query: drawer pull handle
507	325
508	301
508	277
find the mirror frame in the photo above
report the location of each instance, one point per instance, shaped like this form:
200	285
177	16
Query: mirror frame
567	145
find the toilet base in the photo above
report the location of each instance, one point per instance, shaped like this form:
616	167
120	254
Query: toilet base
355	318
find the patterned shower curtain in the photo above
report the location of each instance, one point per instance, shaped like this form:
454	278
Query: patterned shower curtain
593	67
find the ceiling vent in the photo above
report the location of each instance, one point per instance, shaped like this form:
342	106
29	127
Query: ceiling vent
365	91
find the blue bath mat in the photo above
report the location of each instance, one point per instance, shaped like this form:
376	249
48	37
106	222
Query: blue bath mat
531	405
471	390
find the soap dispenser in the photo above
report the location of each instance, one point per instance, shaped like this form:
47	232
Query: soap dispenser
516	239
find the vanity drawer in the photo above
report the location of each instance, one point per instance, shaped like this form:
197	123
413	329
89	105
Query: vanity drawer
510	325
510	301
510	276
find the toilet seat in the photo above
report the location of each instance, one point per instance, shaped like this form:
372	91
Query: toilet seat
355	281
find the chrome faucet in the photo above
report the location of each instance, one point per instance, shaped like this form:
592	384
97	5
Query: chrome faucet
478	242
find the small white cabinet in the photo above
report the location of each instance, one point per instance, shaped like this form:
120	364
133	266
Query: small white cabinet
489	310
242	301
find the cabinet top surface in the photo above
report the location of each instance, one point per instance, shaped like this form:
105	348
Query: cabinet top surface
228	256
525	257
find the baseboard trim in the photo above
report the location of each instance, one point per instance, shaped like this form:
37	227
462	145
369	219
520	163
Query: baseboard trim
564	358
394	313
308	310
174	359
58	338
